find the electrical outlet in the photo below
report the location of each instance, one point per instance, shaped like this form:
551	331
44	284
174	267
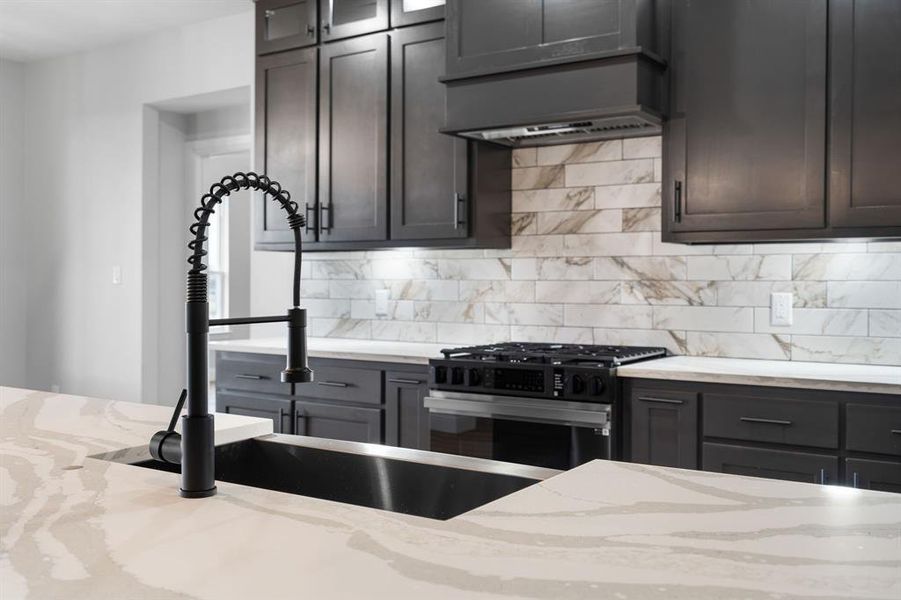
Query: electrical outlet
117	275
781	308
381	303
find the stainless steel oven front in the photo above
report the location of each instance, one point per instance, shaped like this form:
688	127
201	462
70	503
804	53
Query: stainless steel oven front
548	433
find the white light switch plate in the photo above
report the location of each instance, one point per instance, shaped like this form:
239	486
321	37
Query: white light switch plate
781	308
381	303
117	275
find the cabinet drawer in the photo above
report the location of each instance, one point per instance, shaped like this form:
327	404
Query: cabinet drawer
873	428
246	405
251	372
345	384
774	420
771	464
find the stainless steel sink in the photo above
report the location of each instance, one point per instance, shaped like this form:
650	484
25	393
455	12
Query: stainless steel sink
413	482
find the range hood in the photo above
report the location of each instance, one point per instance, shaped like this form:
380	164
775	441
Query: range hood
614	96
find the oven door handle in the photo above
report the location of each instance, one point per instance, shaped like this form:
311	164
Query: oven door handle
527	410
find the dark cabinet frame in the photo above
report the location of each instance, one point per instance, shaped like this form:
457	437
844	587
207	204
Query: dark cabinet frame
406	418
644	403
328	203
332	32
306	197
402	18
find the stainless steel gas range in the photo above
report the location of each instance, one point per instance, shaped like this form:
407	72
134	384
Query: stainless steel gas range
548	405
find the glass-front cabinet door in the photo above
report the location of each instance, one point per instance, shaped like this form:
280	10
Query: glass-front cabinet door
410	12
347	18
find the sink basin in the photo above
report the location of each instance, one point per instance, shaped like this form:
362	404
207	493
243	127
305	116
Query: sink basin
413	482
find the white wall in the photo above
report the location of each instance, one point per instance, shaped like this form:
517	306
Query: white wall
85	123
13	251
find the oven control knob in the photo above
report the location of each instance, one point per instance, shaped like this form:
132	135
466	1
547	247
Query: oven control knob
596	386
475	377
576	384
457	376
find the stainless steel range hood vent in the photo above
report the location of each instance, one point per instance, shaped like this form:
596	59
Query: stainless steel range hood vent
611	97
549	134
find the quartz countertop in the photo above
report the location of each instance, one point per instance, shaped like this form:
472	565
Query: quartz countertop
76	527
375	350
777	373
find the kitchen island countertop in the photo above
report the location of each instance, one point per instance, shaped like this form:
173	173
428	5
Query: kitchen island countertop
78	527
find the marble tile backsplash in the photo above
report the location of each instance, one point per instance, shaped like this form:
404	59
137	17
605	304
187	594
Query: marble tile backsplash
587	265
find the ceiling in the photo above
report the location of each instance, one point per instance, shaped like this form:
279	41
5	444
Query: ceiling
36	29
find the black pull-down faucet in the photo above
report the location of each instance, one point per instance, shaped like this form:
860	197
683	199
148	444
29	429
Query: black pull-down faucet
194	448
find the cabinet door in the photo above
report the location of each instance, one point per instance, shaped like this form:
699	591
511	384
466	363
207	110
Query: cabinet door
338	422
406	419
664	428
347	18
410	12
264	407
285	24
286	140
353	140
745	143
772	464
497	35
428	169
865	87
877	475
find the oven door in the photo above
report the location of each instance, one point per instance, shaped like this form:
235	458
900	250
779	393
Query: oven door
532	431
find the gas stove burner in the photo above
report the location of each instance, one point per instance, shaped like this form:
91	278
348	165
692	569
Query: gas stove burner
574	354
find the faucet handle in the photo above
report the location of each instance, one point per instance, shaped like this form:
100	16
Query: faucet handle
165	446
178	406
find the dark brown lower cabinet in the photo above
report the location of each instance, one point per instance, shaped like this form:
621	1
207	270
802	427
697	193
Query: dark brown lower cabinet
879	475
351	423
406	419
256	405
664	428
772	464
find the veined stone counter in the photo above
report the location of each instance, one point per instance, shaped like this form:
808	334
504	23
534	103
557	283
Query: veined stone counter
778	373
374	350
603	530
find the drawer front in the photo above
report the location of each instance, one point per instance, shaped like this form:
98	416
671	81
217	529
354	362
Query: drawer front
251	372
350	423
873	428
771	464
774	420
246	405
344	384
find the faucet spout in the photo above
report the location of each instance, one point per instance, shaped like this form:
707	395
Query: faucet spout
196	442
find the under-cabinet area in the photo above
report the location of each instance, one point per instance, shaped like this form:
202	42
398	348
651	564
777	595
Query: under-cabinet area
814	436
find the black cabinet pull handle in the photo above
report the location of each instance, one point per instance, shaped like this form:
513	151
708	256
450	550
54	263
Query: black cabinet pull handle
677	201
325	224
269	14
855	480
302	418
307	210
405	381
332	384
249	376
311	31
896	431
459	199
765	421
660	400
822	476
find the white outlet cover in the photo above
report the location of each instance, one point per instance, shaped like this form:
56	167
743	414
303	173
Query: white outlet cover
381	303
781	309
117	275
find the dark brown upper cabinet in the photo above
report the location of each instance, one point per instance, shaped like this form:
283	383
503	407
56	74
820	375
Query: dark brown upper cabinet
353	140
865	96
286	140
347	18
285	24
411	12
746	139
486	36
429	199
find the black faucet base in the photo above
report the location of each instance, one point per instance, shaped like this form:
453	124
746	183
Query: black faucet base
198	475
201	494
